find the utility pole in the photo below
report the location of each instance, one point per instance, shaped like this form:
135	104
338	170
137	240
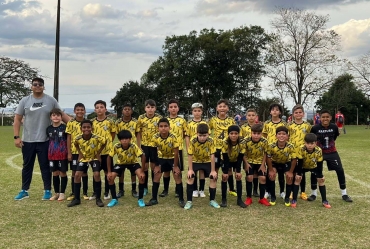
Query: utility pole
56	65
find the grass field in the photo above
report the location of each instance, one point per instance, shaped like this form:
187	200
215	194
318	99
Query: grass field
32	223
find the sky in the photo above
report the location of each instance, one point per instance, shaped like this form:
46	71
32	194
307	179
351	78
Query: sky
105	43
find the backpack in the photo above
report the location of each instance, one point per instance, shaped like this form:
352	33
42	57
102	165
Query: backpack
340	119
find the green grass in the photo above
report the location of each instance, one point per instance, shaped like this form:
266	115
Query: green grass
33	223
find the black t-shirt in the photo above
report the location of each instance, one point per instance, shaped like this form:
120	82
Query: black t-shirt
326	137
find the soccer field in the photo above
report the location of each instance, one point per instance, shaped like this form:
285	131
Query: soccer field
32	223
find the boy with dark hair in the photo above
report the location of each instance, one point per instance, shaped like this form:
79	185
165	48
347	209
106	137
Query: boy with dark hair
127	158
165	148
326	134
219	125
310	159
127	122
147	126
57	154
89	147
281	158
105	128
201	156
73	130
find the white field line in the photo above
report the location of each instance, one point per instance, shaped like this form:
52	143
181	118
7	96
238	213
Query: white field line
364	184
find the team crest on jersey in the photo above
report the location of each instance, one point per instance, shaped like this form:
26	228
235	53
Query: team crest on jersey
170	145
155	123
313	160
50	134
129	154
105	128
60	134
286	154
178	123
304	130
92	146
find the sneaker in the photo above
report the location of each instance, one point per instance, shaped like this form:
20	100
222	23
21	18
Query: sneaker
326	204
304	196
112	203
164	193
256	194
267	195
287	202
282	195
71	197
188	205
248	201
92	197
272	202
201	194
293	204
182	203
74	202
106	196
264	202
347	198
151	202
311	198
21	195
99	202
47	195
195	193
223	203
233	193
62	197
241	204
54	197
86	197
141	203
120	193
134	193
214	204
145	191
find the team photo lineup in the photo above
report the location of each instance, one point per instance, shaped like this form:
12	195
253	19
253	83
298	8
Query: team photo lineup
220	149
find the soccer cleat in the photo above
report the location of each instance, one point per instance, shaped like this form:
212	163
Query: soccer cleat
120	193
164	193
71	197
214	204
188	205
112	203
106	196
311	198
62	197
282	195
134	193
304	196
47	195
141	203
264	202
233	193
21	195
347	198
92	197
202	194
151	202
326	204
182	203
272	202
287	202
99	202
248	201
256	194
195	193
86	197
293	204
54	197
74	202
223	203
145	191
241	204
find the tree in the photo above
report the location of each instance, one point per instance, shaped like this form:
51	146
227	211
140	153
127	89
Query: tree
302	55
264	105
360	68
14	75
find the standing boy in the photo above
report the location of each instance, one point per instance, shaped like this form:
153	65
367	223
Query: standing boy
339	120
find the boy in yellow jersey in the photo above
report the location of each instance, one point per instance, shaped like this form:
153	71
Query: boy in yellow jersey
246	132
256	147
233	150
281	157
191	130
73	130
165	148
310	159
127	158
127	122
219	125
178	128
105	128
89	147
201	156
298	128
147	126
269	132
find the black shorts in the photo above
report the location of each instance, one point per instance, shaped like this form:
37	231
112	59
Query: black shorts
58	165
74	162
333	161
233	166
315	171
281	167
181	160
84	166
148	154
120	168
103	164
206	167
218	160
166	164
255	169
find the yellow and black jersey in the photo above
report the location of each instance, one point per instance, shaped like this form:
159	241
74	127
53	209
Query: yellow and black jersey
165	145
235	150
126	156
246	130
73	129
256	150
201	152
281	155
130	126
104	129
191	127
148	127
90	147
269	129
178	128
219	128
297	132
310	159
